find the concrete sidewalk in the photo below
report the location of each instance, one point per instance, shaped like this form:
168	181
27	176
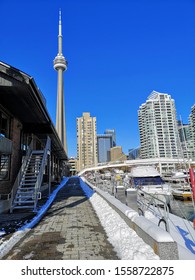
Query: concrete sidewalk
69	230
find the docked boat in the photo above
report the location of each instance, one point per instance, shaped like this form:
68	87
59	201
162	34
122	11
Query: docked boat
148	179
181	188
182	193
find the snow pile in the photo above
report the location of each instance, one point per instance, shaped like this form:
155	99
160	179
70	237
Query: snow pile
7	245
127	244
144	171
2	233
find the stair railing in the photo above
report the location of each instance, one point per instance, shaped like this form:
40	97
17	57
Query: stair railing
41	171
20	174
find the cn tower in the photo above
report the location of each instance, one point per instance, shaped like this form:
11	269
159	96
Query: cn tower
60	65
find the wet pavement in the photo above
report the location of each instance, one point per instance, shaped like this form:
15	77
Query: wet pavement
69	230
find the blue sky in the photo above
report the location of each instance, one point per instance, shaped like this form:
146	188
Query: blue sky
118	51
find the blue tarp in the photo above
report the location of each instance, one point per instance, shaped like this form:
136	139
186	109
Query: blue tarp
87	190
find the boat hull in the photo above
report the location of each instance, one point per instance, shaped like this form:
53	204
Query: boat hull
182	195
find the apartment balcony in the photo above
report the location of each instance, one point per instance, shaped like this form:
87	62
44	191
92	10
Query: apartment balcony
5	145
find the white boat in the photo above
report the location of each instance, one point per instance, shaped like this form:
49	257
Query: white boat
148	179
182	193
180	184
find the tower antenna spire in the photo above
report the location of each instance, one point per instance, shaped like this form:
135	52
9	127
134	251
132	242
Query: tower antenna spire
60	23
60	65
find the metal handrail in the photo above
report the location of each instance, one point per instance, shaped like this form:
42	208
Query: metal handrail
158	207
41	171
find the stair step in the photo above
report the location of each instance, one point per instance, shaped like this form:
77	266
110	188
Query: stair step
27	192
27	195
36	157
24	194
31	173
26	188
32	169
29	177
28	180
33	164
24	201
22	207
23	198
36	160
27	183
30	166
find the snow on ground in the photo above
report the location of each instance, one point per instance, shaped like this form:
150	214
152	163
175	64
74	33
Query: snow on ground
127	244
1	233
7	245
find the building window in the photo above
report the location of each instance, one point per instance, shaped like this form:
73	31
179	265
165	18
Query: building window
4	167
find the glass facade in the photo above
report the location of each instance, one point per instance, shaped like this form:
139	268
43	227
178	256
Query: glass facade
104	144
112	132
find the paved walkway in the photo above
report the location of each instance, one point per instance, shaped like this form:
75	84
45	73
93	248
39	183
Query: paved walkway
70	230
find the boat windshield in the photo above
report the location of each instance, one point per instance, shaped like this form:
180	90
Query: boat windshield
145	181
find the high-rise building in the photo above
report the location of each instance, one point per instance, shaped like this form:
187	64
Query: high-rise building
60	65
113	133
104	144
158	127
191	146
184	136
86	141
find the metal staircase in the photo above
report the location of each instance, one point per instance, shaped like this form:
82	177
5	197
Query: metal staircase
28	185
